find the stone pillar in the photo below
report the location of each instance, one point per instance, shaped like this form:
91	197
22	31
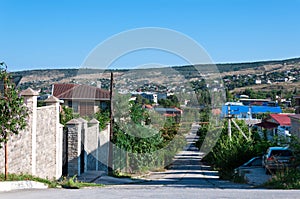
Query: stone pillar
74	146
53	101
30	99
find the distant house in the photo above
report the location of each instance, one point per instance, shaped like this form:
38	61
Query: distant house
248	112
84	99
283	123
152	97
169	112
295	125
258	81
259	102
275	125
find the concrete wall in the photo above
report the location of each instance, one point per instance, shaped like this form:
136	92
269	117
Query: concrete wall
37	150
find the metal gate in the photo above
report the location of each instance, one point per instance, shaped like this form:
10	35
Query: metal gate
65	152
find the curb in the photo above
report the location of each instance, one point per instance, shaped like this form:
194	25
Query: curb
17	185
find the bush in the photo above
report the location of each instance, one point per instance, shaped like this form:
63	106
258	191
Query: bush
103	118
287	179
66	115
229	154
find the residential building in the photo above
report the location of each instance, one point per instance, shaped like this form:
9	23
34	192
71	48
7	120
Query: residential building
84	99
169	112
152	97
258	102
283	123
248	111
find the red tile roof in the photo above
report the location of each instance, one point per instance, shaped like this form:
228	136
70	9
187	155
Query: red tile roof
282	119
77	91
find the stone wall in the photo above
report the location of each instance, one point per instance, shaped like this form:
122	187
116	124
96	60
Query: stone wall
47	149
87	147
37	150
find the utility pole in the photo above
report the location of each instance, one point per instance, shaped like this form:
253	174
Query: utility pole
229	116
230	119
110	154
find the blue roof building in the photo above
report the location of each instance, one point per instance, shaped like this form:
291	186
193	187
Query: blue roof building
248	112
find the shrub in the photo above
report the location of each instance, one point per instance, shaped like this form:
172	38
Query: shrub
228	153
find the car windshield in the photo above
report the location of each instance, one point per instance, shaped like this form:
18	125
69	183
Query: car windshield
281	153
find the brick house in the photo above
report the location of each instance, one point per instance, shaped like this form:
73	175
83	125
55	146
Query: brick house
84	99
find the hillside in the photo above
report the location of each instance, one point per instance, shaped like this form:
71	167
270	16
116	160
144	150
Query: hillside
173	78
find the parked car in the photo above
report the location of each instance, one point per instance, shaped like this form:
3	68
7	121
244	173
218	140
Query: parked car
278	158
253	163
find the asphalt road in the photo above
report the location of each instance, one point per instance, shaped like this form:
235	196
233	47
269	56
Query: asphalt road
186	178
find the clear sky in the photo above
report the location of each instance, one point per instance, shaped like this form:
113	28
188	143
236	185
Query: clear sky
39	34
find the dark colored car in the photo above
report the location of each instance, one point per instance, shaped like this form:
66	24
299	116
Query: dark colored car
278	158
253	163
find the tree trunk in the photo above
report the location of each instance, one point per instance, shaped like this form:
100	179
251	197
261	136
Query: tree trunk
6	158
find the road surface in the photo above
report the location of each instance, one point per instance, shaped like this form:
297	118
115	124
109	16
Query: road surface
186	178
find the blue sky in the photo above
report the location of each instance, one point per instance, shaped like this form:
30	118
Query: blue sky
44	34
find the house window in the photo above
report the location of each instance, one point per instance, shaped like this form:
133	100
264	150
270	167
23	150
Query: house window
103	106
73	105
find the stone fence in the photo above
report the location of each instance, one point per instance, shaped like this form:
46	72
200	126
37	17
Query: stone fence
37	150
46	149
87	148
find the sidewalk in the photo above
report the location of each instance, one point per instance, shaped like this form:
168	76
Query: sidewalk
17	185
99	177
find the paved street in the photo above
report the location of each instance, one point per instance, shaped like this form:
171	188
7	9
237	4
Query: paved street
186	178
188	171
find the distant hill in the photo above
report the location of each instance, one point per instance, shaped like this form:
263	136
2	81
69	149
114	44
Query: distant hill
129	79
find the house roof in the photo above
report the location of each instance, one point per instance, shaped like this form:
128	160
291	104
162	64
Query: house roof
77	91
282	119
239	109
267	125
168	111
295	116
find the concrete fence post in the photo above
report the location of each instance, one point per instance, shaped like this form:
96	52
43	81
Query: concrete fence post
53	101
95	133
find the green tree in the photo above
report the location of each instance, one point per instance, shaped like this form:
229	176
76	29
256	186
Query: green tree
13	112
66	115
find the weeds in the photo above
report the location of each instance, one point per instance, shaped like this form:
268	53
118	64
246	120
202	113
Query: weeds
285	179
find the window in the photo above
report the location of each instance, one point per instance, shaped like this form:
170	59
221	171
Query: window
73	105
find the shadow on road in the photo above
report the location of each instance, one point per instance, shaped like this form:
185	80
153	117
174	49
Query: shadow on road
187	171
